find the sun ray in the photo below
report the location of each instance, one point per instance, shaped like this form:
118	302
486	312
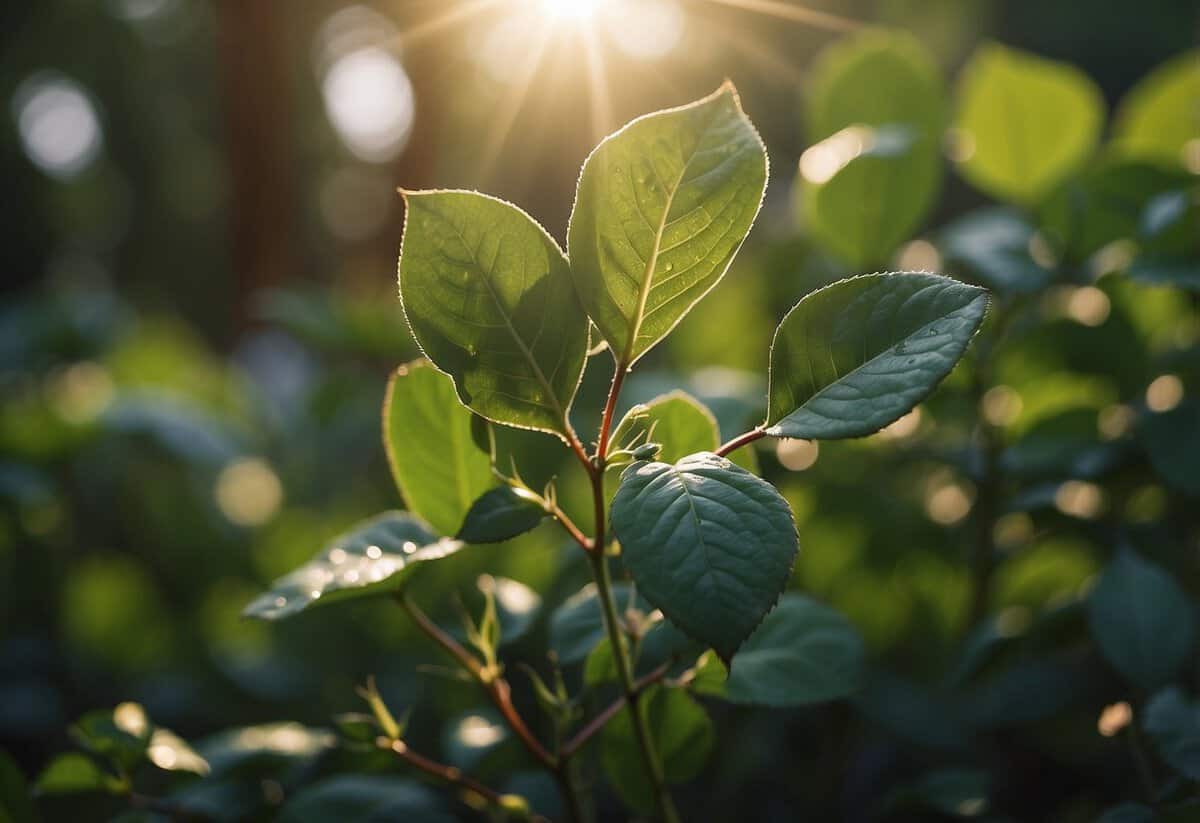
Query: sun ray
599	98
794	13
765	59
513	102
435	25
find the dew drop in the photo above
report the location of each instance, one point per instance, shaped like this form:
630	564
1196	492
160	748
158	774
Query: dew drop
280	602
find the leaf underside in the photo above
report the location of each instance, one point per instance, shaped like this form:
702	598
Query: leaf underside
489	298
662	207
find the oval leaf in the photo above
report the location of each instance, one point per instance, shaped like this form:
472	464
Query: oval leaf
490	302
500	514
876	114
1141	620
662	207
1024	122
578	624
707	542
802	653
375	557
73	773
1157	118
853	357
427	436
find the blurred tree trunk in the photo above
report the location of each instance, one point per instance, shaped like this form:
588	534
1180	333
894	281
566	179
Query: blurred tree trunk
251	43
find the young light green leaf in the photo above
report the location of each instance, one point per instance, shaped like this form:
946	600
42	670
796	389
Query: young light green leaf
488	296
73	773
1141	620
802	653
1173	723
876	112
427	436
501	514
682	734
375	557
707	542
1023	122
682	425
662	207
853	357
1157	118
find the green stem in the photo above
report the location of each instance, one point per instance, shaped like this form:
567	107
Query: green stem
666	806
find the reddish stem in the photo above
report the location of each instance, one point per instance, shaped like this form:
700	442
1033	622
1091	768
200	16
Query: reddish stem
601	720
740	440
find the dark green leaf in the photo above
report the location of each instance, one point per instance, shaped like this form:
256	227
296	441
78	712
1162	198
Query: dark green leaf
73	773
121	734
351	798
853	357
375	557
427	435
1141	620
1127	813
707	542
578	624
488	296
501	514
1024	122
662	207
1172	439
1173	723
683	736
993	243
804	652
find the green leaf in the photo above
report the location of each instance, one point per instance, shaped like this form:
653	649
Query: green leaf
1141	620
662	207
802	653
876	112
501	514
1024	123
577	625
1127	813
16	805
427	436
1157	118
853	357
375	557
533	457
682	425
707	542
1173	723
73	773
490	302
121	734
601	666
709	676
1172	439
993	243
354	798
682	734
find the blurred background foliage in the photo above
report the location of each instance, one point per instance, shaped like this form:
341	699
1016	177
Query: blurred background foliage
199	316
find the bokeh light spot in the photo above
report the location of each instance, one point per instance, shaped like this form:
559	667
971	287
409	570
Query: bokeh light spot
369	100
59	127
1164	393
645	29
797	455
248	492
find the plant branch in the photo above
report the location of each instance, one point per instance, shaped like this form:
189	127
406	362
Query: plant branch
449	774
609	712
491	681
740	440
610	408
569	526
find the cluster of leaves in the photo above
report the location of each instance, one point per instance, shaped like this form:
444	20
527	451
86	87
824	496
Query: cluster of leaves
1090	605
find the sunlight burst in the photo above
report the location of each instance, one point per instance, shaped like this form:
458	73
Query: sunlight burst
578	10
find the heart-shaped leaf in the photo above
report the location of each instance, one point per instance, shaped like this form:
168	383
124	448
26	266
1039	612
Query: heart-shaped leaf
707	542
802	653
501	514
662	207
853	357
1141	620
1024	122
489	298
375	557
427	436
